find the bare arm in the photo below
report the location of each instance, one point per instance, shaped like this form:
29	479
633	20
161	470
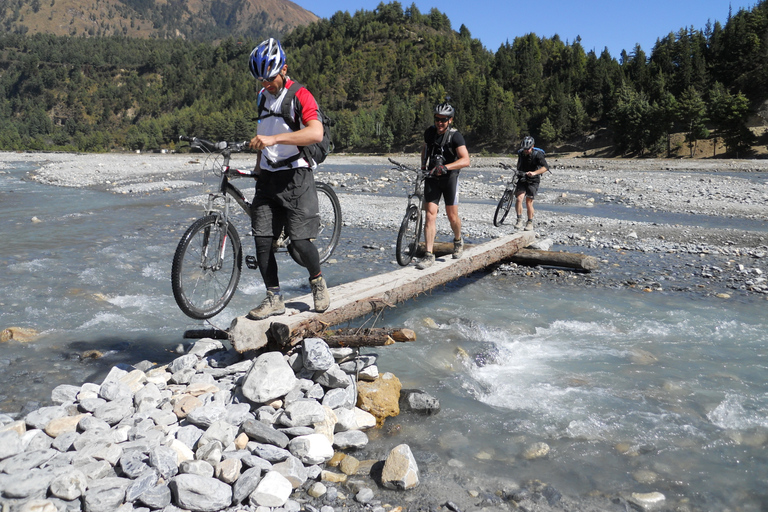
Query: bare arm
461	162
310	134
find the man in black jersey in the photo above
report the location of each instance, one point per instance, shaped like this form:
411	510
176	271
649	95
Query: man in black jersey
444	154
531	161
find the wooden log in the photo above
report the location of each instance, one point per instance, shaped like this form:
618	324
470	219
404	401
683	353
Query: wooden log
358	298
439	249
370	337
533	257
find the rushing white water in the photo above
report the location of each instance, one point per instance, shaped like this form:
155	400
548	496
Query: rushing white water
633	392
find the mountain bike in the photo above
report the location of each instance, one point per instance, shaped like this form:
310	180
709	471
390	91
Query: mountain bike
208	259
413	221
508	197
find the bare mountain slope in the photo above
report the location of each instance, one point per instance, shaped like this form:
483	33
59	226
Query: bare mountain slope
191	19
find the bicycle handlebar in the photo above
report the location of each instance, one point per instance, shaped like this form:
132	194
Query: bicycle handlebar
406	167
215	147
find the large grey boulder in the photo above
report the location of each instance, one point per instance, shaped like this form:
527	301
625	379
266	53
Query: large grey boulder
269	378
316	354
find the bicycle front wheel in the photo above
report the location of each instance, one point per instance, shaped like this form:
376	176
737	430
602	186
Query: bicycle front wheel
206	267
502	209
408	236
330	221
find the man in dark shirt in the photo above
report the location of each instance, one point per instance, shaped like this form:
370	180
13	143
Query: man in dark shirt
444	154
530	161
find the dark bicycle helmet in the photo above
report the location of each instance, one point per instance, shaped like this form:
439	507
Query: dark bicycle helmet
267	60
444	109
527	143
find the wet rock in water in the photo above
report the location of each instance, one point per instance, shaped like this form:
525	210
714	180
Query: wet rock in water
20	334
648	500
536	451
418	401
380	397
400	470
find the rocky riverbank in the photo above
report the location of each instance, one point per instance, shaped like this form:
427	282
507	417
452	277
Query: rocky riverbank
650	255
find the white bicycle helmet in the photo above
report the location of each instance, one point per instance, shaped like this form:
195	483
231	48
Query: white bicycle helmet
444	109
267	60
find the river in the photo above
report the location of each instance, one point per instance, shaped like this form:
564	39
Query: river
632	392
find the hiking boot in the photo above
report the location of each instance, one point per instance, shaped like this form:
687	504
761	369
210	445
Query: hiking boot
270	306
529	225
519	223
427	261
458	248
320	294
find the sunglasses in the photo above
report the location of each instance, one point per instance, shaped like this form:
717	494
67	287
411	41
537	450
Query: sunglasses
441	119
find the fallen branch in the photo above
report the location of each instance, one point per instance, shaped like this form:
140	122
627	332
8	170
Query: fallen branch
533	257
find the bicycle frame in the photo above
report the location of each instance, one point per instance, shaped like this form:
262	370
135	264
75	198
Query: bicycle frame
208	260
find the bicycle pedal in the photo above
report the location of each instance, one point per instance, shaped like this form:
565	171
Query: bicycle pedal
251	263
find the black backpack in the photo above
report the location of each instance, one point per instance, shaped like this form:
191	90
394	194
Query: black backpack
314	152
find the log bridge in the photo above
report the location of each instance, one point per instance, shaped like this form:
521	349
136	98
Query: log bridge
358	298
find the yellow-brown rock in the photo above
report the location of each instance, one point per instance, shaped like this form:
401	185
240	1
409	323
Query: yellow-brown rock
380	397
61	425
20	334
185	405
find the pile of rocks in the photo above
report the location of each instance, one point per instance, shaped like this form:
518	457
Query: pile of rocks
209	431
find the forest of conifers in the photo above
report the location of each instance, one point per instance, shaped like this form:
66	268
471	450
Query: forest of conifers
378	74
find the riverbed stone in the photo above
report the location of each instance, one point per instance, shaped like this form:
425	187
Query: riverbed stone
205	416
144	482
311	449
648	500
245	484
105	494
536	451
64	393
381	397
228	470
302	412
316	354
272	491
156	498
263	433
200	494
293	470
269	378
41	417
164	460
419	402
350	439
10	444
400	471
333	377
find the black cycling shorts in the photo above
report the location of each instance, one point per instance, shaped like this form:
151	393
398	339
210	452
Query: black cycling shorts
446	186
529	187
287	200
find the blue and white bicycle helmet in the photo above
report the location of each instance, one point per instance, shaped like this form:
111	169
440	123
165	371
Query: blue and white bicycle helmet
267	60
527	143
444	109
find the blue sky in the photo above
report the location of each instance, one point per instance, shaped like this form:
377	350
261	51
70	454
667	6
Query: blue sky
616	24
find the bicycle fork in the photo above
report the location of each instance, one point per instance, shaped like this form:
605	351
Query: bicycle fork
221	224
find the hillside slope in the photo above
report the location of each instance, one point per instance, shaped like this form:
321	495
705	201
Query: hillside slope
194	19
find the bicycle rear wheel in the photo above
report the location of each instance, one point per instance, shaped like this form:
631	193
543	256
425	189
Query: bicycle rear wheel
330	221
408	236
502	209
206	267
